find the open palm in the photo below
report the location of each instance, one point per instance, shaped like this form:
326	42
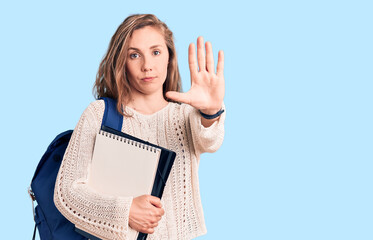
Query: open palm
207	86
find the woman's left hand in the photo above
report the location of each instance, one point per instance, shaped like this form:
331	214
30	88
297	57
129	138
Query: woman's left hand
207	87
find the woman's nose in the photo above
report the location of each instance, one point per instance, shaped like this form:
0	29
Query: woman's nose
147	64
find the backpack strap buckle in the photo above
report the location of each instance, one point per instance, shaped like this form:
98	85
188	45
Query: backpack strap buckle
32	195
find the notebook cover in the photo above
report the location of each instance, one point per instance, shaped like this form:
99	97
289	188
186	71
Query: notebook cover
166	161
122	167
165	164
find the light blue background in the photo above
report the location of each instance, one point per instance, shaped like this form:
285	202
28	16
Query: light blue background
296	162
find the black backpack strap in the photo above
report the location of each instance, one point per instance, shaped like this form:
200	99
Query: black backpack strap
112	118
33	236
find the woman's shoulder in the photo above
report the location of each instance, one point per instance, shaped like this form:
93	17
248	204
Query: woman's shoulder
97	105
95	110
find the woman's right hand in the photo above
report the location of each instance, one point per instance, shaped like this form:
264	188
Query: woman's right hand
145	213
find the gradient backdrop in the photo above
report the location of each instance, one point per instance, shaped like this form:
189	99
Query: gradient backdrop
296	162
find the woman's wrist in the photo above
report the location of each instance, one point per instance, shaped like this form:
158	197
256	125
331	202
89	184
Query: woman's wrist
212	114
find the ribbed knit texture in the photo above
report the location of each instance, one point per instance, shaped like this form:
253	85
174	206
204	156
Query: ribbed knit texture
177	127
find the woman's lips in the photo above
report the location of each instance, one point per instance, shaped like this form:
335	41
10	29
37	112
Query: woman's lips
147	79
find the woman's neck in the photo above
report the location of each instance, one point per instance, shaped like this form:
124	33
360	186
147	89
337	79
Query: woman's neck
147	104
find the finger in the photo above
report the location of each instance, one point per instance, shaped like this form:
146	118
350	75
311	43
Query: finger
178	97
149	231
209	58
201	54
220	67
155	201
151	221
161	212
192	60
153	225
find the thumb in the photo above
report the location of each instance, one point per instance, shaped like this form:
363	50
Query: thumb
178	97
155	201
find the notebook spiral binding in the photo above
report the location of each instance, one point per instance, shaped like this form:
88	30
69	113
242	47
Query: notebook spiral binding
128	141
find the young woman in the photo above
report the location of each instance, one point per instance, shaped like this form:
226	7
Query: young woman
140	71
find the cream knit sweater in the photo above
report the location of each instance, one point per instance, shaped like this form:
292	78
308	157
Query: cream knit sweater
177	127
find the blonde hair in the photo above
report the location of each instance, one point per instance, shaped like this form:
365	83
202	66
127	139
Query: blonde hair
111	80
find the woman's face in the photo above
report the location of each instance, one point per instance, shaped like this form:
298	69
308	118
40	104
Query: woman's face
147	61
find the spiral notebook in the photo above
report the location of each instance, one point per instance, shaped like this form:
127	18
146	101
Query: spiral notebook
123	165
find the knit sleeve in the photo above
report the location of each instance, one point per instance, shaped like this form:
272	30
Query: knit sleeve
206	139
104	216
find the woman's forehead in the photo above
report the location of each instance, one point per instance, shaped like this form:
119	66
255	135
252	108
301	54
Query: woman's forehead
146	37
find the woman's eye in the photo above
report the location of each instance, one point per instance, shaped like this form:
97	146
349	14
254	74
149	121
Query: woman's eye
156	52
134	55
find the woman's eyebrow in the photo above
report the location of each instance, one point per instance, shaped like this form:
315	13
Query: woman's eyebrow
136	49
